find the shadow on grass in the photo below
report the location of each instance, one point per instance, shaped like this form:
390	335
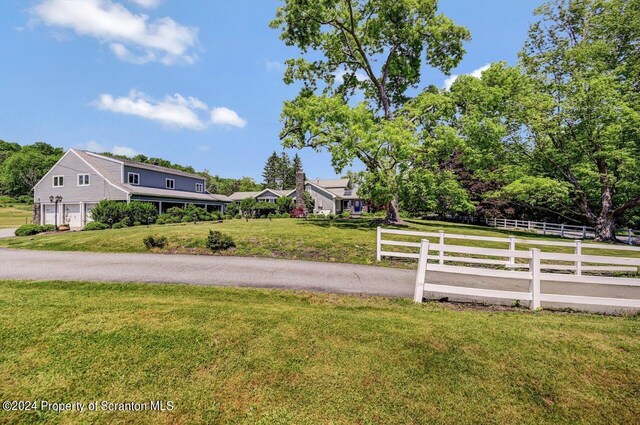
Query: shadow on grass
347	224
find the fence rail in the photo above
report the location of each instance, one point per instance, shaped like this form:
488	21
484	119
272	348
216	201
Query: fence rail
534	275
563	230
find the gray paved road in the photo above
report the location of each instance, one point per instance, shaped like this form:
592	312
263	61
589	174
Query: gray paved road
261	273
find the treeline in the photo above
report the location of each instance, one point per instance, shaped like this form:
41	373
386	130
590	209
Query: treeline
280	171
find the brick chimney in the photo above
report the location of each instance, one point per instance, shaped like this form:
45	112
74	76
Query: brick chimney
300	190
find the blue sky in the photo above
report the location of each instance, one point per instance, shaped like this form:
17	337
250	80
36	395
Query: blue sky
196	82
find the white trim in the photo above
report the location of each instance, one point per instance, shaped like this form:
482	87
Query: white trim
97	172
201	187
53	180
88	179
166	183
129	174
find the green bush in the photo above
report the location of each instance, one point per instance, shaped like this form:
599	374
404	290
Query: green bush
7	200
29	230
125	222
24	199
216	215
48	228
238	216
109	212
175	212
345	214
137	223
119	225
95	225
142	212
160	221
218	241
233	209
155	241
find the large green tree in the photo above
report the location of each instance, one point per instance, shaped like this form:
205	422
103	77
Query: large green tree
359	61
584	129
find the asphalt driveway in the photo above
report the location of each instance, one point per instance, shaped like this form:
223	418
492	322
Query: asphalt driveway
266	273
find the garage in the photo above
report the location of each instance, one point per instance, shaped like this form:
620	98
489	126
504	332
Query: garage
67	214
72	215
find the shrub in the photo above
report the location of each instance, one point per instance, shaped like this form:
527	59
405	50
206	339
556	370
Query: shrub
238	216
263	216
160	221
28	230
109	212
7	200
119	225
142	212
264	208
233	209
24	199
125	222
216	215
345	214
175	212
218	241
155	241
285	204
95	225
48	228
137	223
297	212
193	213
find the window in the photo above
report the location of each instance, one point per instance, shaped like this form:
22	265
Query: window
58	181
83	179
170	183
134	178
199	187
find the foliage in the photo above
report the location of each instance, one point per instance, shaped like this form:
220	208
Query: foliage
309	202
142	212
297	213
95	225
22	167
120	225
194	213
233	208
109	212
227	186
32	229
285	204
218	241
154	241
366	51
246	205
280	171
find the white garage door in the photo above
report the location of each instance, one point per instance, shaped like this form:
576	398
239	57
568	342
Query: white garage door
49	214
72	215
89	208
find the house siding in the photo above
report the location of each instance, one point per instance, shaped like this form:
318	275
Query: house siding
112	167
150	178
323	200
69	167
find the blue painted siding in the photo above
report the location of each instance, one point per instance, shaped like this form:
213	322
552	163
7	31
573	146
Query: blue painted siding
150	178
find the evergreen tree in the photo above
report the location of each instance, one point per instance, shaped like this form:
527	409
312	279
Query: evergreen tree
284	169
296	166
271	171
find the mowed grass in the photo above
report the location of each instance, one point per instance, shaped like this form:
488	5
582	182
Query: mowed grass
227	355
349	241
15	215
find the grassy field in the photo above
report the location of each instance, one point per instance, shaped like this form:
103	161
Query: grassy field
15	215
226	355
351	241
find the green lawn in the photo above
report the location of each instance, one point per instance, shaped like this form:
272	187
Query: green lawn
351	241
227	355
15	215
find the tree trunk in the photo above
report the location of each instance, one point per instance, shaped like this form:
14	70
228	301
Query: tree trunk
605	228
392	211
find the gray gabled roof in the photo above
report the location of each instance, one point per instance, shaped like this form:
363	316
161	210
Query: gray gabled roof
239	196
146	166
331	183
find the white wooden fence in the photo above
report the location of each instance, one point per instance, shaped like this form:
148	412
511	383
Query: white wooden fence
516	264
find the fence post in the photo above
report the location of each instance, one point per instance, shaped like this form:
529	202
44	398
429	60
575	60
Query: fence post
584	232
544	228
534	287
630	239
562	230
516	224
422	271
529	225
378	245
512	247
441	251
578	251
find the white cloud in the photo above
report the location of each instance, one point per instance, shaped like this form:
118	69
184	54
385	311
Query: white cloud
475	73
173	111
148	4
94	146
273	66
131	37
225	116
123	150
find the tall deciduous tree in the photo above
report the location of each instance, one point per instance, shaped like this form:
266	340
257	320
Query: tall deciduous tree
584	56
370	52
